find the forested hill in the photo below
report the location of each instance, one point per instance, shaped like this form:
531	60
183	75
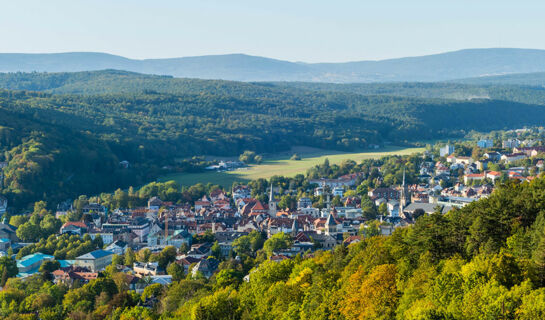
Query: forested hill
116	81
436	67
528	79
69	144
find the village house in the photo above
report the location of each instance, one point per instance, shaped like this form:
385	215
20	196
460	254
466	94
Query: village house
345	181
493	175
7	231
142	269
483	164
304	202
241	192
74	227
530	151
69	275
201	250
385	193
468	178
154	203
338	192
493	156
439	170
464	160
508	158
206	267
94	208
118	247
5	244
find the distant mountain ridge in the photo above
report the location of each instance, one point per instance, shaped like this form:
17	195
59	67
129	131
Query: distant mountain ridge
468	63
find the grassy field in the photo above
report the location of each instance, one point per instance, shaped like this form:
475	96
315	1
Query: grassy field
280	164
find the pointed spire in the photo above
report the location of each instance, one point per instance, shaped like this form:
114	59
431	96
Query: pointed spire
330	221
271	196
294	227
404	176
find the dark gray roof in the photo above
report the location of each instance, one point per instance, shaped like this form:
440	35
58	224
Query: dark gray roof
330	221
427	207
97	254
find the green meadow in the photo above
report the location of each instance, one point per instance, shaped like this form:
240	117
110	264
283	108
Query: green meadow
280	164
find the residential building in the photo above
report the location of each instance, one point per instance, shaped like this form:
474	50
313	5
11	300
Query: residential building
94	208
118	247
493	156
304	202
74	227
5	244
146	269
385	193
31	263
206	267
485	143
338	191
7	231
154	203
95	261
446	150
493	175
510	143
508	158
345	181
69	275
241	192
3	204
468	178
530	151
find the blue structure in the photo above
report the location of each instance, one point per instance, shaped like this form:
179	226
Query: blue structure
30	264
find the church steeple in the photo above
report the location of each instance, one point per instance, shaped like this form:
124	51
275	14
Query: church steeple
330	225
272	203
404	196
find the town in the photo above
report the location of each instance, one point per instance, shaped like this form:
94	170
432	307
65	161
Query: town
161	240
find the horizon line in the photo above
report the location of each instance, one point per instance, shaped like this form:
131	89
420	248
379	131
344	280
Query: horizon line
264	57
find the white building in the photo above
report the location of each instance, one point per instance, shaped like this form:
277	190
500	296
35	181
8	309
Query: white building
338	191
446	150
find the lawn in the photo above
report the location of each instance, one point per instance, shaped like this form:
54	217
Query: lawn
280	164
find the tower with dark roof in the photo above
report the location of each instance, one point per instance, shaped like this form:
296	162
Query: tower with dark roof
272	203
404	198
330	225
294	228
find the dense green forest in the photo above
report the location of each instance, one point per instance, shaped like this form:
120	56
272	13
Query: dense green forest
60	145
484	261
523	88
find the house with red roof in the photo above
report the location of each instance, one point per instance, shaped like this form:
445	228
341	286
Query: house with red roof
493	175
468	178
74	227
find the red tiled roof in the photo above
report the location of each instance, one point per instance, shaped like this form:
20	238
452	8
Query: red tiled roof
75	223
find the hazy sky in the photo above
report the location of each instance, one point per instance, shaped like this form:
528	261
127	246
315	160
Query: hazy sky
296	30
